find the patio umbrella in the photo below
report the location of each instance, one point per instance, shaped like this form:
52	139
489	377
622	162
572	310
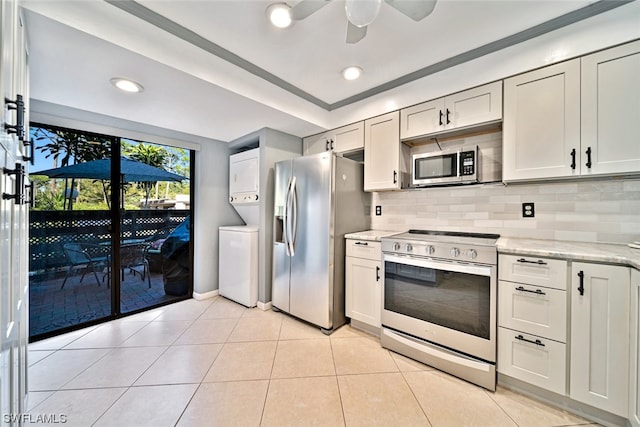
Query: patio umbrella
130	171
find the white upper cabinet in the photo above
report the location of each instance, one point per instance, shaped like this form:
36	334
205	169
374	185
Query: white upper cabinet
575	118
460	110
541	127
383	169
341	140
611	110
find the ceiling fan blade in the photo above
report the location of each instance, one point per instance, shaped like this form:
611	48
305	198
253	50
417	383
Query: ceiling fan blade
355	34
414	9
306	8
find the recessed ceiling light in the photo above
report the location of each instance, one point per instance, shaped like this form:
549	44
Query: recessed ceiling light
127	85
351	73
279	14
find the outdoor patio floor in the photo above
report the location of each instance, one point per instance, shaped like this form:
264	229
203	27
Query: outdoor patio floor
52	308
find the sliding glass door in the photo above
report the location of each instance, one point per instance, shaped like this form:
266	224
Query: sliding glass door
110	229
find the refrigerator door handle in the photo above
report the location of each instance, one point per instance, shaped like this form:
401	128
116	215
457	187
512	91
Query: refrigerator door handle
291	217
294	222
287	215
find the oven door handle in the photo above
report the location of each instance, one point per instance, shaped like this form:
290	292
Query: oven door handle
479	270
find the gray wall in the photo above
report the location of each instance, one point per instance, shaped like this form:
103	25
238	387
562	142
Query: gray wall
211	211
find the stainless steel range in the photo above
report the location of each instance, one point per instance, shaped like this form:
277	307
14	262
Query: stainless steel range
439	301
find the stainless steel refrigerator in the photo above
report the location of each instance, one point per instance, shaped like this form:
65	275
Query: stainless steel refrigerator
318	199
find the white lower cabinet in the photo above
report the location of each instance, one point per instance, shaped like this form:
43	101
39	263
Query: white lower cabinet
532	321
600	336
363	282
634	366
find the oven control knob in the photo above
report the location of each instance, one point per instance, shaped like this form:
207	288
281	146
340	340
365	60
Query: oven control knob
396	246
409	248
471	253
454	252
430	250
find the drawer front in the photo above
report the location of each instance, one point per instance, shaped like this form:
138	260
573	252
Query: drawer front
551	273
533	309
542	364
364	249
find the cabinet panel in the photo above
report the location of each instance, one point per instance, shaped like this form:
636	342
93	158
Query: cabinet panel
600	336
474	106
364	249
542	122
315	144
348	138
540	363
535	310
610	110
422	119
363	290
634	365
550	273
382	153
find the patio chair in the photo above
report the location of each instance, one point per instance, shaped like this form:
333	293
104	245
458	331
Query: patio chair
135	255
85	256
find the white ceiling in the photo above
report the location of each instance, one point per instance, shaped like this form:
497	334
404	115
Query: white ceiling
170	48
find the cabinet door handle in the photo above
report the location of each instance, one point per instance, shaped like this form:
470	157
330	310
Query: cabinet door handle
332	144
441	116
395	177
448	112
581	286
588	153
526	261
536	342
18	194
362	243
573	159
523	289
327	146
17	105
377	273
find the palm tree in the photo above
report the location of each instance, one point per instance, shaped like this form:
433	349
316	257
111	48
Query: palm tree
152	155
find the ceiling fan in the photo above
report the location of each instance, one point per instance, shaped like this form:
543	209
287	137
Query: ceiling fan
361	13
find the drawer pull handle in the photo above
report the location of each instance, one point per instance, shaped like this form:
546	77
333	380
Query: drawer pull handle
539	262
537	291
377	273
362	243
536	342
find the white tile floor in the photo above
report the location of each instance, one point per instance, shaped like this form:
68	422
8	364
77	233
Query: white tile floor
216	363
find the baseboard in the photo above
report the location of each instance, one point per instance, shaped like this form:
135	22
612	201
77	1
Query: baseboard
206	295
264	306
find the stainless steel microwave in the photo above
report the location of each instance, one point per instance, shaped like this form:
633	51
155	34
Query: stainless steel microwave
458	166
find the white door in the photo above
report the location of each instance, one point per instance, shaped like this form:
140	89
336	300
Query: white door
634	395
348	138
600	336
422	119
474	106
315	144
363	287
382	153
13	222
611	110
541	128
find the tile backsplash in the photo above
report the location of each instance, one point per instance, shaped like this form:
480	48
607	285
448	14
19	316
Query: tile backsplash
588	210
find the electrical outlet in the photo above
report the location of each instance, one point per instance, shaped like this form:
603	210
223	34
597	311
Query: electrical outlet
528	210
378	210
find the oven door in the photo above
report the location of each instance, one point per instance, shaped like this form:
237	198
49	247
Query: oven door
447	303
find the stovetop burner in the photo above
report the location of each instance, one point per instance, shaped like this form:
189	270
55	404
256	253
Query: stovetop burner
455	233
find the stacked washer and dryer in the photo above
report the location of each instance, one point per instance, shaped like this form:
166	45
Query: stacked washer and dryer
238	244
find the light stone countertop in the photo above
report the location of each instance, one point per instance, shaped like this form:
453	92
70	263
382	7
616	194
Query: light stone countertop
370	235
576	251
